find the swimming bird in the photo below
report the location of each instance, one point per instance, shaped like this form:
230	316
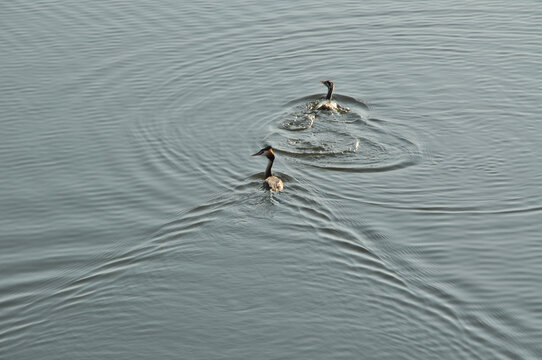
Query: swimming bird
328	104
271	181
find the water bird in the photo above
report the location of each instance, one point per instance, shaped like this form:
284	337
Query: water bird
271	181
328	104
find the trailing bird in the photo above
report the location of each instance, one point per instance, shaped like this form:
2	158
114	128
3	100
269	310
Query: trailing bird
272	182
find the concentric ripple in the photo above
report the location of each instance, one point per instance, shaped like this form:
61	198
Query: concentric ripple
344	140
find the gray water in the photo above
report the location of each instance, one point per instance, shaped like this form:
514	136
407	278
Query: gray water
133	220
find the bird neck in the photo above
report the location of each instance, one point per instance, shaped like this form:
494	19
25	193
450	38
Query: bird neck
269	165
329	92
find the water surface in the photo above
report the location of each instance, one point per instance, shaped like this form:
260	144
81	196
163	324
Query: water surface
134	223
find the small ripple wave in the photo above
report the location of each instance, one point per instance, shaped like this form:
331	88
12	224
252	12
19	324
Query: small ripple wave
348	139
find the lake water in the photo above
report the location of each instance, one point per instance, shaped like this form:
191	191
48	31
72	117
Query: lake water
133	220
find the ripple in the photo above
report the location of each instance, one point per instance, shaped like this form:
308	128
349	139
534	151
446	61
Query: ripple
344	140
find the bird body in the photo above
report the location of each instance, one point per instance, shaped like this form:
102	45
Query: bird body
328	104
272	182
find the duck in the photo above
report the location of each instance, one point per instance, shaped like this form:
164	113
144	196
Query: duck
272	182
328	104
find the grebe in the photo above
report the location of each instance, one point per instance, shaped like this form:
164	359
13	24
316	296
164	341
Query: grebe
328	104
271	181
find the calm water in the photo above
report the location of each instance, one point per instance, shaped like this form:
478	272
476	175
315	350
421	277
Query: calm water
133	220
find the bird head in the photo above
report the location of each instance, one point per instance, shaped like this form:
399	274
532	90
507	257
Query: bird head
266	151
327	83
